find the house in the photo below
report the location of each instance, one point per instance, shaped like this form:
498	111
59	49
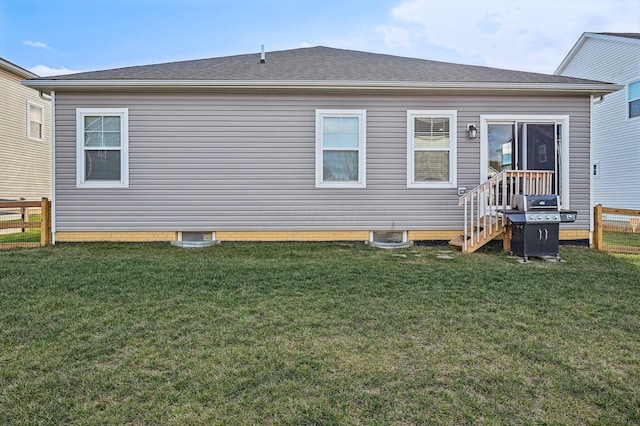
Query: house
307	144
615	138
25	136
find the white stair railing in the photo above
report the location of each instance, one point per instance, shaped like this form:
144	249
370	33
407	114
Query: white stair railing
484	203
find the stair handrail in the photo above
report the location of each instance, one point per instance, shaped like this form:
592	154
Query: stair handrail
484	204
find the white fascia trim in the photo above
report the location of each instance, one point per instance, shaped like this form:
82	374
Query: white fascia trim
567	59
17	70
295	84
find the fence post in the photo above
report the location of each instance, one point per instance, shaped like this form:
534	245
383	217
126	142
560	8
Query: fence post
45	224
24	215
597	213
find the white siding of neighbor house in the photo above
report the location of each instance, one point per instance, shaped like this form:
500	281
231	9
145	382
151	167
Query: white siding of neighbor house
25	164
224	162
615	137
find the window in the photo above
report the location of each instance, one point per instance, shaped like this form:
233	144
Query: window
102	147
634	99
35	118
431	149
340	148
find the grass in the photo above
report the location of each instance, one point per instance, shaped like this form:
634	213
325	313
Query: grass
297	334
31	235
622	239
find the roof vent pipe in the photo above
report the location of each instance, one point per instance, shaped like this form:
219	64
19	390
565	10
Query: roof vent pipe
262	57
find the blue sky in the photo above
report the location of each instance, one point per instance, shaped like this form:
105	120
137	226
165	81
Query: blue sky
58	36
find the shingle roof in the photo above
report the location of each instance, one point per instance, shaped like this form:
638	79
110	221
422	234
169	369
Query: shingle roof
625	35
317	64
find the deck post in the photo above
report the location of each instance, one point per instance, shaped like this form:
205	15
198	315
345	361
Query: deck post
506	238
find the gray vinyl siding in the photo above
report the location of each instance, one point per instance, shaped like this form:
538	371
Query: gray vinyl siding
613	61
25	164
616	144
616	152
227	162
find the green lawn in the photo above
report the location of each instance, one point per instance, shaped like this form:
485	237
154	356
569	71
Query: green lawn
624	239
301	334
32	235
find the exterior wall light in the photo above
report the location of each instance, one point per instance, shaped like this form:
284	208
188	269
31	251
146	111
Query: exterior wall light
473	131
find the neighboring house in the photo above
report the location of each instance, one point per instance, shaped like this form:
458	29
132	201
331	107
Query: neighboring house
25	136
615	144
305	144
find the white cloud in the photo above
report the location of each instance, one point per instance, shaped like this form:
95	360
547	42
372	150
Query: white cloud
37	44
45	71
517	34
395	36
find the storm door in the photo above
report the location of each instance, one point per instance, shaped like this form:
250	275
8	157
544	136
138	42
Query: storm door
536	147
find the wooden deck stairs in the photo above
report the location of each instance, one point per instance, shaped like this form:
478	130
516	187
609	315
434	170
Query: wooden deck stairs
493	231
483	205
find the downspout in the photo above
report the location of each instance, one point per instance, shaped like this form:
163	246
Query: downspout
44	96
591	206
53	168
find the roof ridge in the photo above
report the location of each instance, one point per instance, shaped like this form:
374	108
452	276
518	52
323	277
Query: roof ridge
313	65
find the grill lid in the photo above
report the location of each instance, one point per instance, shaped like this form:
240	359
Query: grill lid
529	203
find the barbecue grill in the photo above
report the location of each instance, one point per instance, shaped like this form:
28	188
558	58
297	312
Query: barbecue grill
535	225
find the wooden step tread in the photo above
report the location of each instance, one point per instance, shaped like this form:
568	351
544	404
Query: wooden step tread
457	242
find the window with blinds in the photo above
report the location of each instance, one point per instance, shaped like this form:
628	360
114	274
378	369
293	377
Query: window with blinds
102	147
340	148
431	148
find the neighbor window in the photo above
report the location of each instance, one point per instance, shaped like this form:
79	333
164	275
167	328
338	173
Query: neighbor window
35	118
634	99
431	149
102	147
340	148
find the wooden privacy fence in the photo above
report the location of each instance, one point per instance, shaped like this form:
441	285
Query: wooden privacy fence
25	223
616	229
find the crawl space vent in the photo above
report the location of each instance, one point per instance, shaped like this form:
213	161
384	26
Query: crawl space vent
389	239
195	239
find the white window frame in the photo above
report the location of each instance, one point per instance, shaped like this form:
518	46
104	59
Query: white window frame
630	99
123	182
361	114
452	115
41	108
